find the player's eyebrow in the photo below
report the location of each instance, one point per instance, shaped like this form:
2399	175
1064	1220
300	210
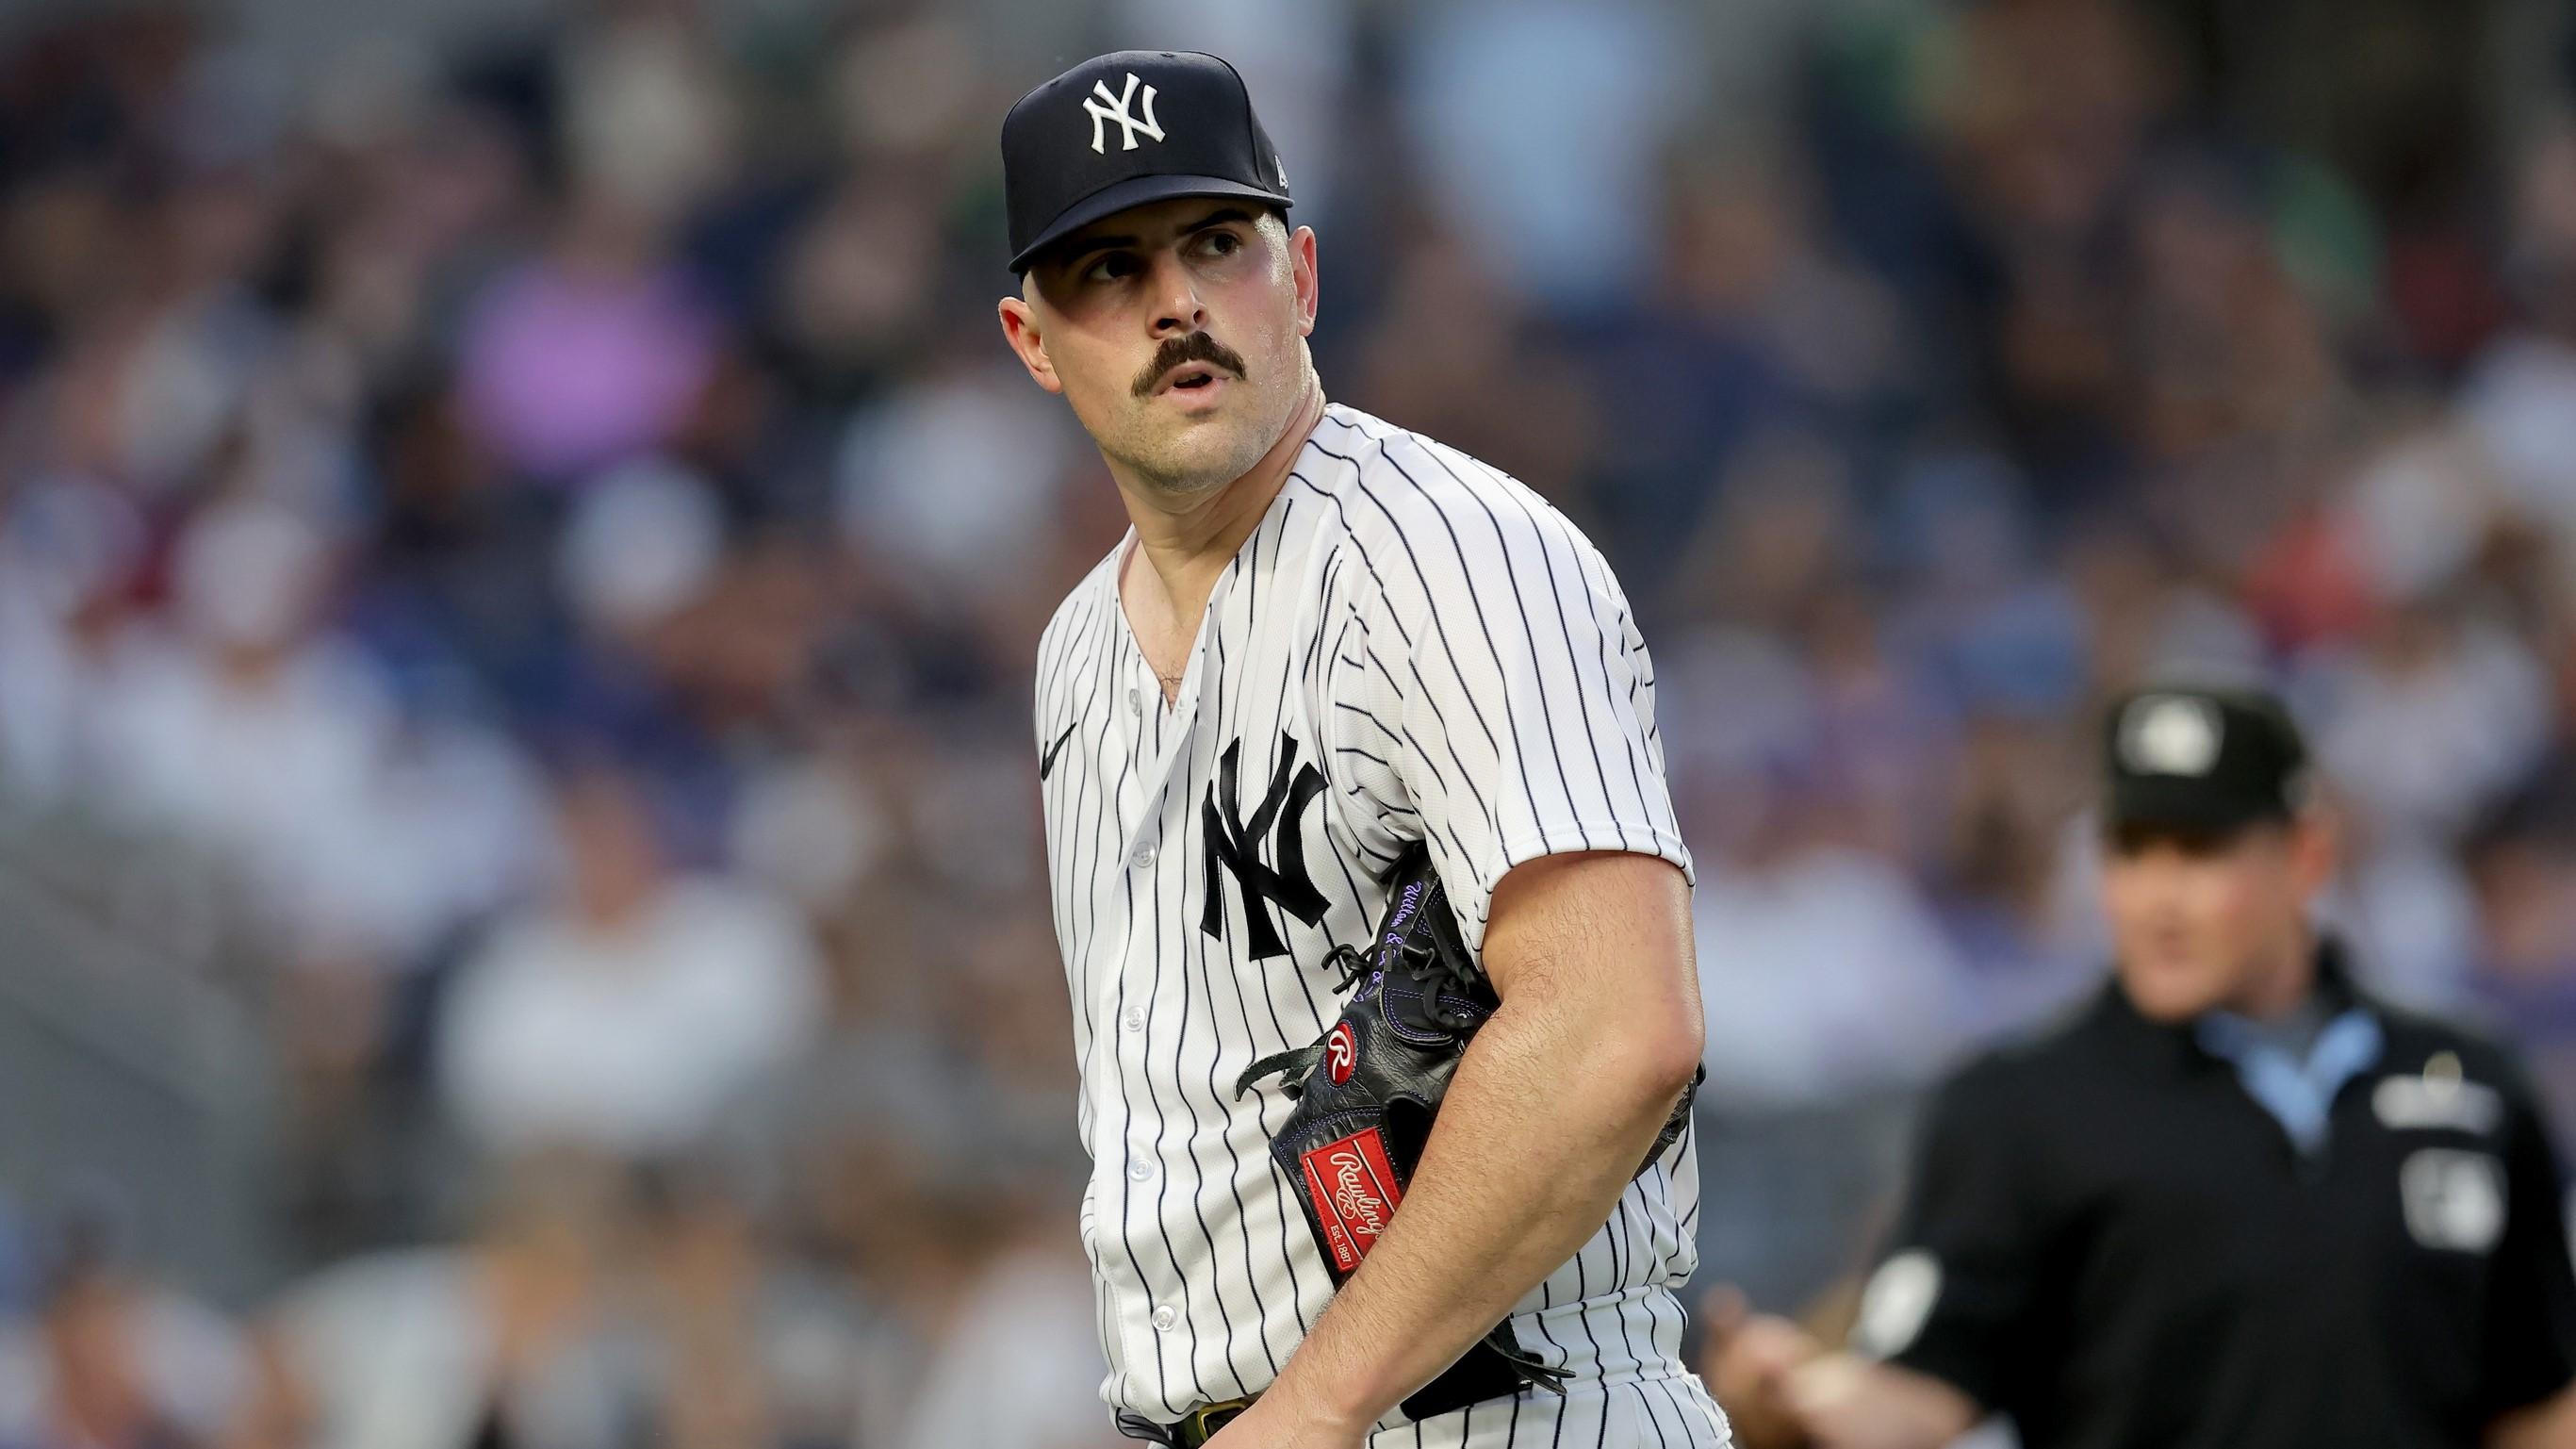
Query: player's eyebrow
1076	250
1218	217
1082	247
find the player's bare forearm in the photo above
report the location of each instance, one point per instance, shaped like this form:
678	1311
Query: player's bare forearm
1555	1103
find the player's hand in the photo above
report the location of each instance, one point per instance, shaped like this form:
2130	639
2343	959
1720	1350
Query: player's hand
1276	1421
1832	1401
1847	1402
1749	1363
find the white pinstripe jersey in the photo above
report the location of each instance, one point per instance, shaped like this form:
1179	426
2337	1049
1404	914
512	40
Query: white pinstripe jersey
1410	646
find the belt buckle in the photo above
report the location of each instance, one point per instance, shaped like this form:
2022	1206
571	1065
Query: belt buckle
1202	1423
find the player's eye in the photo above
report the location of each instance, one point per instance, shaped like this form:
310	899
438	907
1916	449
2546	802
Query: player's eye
1111	267
1220	243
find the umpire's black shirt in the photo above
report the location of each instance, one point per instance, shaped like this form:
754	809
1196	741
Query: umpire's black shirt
2111	1239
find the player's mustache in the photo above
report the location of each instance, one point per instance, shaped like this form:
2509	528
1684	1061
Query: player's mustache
1194	347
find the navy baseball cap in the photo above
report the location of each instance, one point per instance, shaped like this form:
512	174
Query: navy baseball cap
2203	759
1124	129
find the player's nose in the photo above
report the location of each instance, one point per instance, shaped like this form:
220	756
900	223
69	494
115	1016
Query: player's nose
1177	308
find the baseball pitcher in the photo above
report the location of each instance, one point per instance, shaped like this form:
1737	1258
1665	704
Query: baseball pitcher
1371	901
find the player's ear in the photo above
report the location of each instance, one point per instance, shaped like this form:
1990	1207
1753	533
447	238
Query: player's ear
1301	262
1020	330
2314	855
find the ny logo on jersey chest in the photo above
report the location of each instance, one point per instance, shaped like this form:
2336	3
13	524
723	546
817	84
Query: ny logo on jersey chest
1235	843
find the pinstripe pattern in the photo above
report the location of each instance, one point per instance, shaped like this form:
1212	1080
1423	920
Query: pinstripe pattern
1410	646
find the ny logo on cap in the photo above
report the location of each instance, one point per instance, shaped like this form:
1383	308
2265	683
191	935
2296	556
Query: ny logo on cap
2170	734
1114	108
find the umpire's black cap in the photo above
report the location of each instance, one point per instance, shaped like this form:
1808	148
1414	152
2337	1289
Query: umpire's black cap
1123	129
2203	759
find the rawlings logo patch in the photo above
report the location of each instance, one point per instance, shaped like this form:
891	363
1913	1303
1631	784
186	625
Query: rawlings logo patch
1341	1052
1354	1190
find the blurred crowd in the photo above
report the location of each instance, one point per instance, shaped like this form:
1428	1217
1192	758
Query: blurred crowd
548	524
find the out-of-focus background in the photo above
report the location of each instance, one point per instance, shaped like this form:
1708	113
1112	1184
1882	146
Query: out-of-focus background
521	550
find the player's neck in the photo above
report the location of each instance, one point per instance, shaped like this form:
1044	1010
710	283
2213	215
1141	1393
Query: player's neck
2283	986
1185	548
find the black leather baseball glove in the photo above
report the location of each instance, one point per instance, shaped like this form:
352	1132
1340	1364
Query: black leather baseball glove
1366	1094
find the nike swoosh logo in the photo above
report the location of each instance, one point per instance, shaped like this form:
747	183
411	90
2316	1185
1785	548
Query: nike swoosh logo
1046	762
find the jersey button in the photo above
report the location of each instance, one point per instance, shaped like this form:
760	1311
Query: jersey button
1164	1318
1143	857
1135	699
1135	1018
1139	1169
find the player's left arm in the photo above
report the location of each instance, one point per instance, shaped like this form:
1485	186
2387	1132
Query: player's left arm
1555	1103
1504	706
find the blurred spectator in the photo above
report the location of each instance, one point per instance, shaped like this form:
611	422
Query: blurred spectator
1540	125
587	355
112	1360
951	482
1009	1367
648	118
732	1346
1829	984
500	1341
2518	398
624	1012
2009	879
68	554
2436	714
2407	904
2523	862
1825	974
249	728
643	543
1831	991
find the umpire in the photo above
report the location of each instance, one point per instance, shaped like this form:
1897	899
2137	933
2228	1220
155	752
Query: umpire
2236	1204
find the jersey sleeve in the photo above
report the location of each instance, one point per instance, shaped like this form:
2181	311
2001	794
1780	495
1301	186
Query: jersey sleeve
1957	1283
1500	701
2531	1318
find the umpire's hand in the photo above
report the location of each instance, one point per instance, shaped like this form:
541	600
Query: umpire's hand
1749	1364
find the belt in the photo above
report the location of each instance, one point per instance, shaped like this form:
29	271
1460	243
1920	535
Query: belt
1199	1427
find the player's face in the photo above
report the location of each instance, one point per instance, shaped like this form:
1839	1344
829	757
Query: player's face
1177	333
2202	921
